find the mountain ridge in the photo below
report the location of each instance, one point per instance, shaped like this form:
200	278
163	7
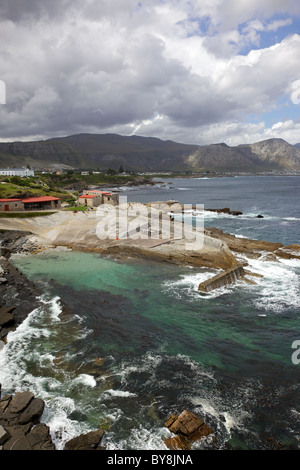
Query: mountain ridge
138	153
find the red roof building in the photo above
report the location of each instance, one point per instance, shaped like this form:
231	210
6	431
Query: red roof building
30	203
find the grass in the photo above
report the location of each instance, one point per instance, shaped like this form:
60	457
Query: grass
23	215
76	208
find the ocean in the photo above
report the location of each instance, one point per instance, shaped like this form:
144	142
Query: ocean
122	344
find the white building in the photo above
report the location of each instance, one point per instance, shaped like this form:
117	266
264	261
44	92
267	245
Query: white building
16	172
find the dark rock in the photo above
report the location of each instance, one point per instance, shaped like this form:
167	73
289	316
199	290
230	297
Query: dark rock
20	401
89	441
20	418
6	317
260	216
39	438
33	411
235	213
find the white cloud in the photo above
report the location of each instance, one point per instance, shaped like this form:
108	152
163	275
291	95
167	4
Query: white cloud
170	68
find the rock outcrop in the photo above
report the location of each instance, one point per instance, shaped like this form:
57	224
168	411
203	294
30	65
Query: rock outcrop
188	428
20	426
90	441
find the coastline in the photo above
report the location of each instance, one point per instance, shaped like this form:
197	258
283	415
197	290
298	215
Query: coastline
22	242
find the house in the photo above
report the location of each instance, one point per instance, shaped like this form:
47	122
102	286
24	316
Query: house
16	172
30	204
11	205
41	203
90	200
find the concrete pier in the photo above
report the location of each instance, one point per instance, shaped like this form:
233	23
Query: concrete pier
222	279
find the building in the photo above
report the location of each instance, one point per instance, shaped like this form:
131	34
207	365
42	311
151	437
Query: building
16	172
94	198
90	200
30	204
11	205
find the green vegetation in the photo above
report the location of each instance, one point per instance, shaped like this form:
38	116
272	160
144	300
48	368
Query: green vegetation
65	186
23	215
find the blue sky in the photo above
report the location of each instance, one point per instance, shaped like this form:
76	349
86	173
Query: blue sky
201	71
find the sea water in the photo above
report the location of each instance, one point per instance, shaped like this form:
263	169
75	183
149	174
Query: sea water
122	344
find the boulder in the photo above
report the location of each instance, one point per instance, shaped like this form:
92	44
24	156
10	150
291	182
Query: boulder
89	441
186	423
33	411
177	443
20	419
188	427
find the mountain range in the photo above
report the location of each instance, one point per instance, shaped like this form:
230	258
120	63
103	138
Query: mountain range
149	154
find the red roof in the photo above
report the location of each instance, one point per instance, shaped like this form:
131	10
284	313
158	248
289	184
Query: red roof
87	196
40	199
9	200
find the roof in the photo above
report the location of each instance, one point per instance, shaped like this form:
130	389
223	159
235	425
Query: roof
87	196
101	192
9	200
40	199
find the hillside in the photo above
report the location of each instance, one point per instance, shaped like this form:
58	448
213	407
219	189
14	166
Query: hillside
136	153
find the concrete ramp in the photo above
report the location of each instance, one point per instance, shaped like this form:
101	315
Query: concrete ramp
222	279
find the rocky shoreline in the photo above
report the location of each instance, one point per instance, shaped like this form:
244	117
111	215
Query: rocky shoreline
20	414
21	427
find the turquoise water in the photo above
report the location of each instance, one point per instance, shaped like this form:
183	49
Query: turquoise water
121	344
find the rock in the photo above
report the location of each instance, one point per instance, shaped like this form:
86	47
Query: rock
3	280
3	435
177	443
235	213
39	438
4	402
188	427
89	441
259	216
20	418
20	401
6	317
33	411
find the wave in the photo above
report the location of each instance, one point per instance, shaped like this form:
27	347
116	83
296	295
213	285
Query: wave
186	286
278	291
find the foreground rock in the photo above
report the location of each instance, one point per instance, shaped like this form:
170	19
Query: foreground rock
90	441
189	429
20	427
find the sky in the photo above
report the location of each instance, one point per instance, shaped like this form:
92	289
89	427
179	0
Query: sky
191	71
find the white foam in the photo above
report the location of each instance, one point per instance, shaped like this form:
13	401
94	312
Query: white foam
279	289
120	393
141	439
187	286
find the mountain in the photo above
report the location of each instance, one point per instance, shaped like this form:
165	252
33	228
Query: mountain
138	153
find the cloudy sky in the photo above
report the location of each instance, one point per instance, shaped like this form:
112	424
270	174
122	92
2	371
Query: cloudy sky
193	71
